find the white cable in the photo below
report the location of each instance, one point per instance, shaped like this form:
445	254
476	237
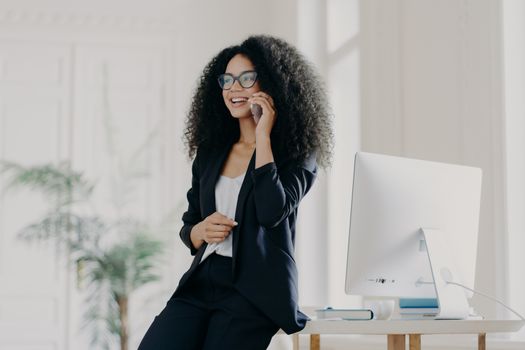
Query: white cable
489	297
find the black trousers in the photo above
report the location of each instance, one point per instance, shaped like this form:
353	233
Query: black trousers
209	314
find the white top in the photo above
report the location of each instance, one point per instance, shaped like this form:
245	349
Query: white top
226	195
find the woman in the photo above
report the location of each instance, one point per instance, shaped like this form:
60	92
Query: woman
249	175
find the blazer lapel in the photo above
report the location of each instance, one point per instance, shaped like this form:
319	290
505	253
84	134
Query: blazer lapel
246	187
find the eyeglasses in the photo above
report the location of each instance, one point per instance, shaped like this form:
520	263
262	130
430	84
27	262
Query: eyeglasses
247	79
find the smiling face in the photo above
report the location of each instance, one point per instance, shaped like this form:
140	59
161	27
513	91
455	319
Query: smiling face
236	98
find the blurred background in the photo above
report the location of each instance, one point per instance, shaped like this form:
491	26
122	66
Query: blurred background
93	98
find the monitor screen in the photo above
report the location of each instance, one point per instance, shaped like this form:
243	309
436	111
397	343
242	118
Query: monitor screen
393	198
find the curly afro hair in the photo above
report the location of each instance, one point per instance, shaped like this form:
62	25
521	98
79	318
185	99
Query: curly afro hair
303	124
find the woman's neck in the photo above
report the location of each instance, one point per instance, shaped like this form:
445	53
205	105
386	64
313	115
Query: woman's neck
247	131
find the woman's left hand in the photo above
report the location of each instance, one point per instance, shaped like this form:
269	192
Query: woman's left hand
267	120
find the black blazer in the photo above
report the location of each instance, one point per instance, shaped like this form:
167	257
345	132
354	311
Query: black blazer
264	269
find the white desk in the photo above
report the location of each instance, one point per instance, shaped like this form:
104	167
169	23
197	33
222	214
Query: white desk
397	330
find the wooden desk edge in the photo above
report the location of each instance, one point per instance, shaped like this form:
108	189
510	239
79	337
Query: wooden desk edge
396	340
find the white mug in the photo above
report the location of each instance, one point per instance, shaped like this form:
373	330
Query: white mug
382	309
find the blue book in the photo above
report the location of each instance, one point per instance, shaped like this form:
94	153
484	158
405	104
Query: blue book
417	303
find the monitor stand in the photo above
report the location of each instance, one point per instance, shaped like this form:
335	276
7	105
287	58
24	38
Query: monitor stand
452	301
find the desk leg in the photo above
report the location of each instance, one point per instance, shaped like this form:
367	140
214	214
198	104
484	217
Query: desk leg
295	341
315	342
396	342
481	341
415	341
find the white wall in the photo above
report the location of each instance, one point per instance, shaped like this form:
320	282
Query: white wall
311	246
514	63
344	74
31	281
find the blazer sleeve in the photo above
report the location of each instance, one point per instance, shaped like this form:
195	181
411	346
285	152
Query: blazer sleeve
278	193
192	216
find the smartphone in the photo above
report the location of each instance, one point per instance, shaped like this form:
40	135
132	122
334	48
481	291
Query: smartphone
256	112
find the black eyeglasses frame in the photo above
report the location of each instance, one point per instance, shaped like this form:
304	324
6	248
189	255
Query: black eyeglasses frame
237	78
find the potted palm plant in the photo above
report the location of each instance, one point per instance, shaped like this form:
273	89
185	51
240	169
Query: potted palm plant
108	272
114	254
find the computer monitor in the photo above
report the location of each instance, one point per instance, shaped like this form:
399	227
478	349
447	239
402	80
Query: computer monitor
395	200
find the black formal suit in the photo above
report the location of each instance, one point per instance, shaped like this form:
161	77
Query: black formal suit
264	270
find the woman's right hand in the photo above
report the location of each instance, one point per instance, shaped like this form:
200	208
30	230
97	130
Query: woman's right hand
214	229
